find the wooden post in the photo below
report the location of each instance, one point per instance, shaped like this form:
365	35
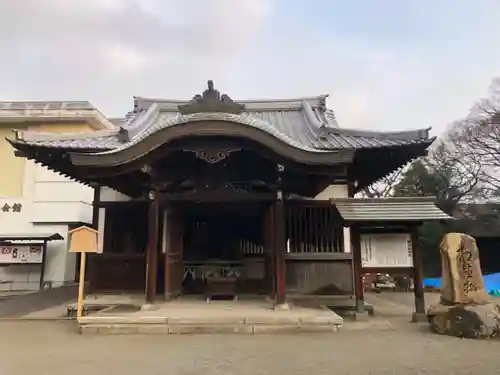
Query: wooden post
91	268
42	268
81	286
280	250
269	268
167	239
152	250
174	249
357	270
82	240
418	289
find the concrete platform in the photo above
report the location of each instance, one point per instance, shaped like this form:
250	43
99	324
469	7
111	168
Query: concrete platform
195	316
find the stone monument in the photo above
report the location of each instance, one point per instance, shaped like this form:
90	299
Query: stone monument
465	309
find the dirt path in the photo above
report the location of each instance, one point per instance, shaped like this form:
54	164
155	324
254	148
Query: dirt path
53	348
387	345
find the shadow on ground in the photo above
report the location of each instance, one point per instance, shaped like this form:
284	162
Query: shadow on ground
17	306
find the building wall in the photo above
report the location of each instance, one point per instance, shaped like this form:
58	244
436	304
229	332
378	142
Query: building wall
61	127
50	203
333	191
11	167
110	195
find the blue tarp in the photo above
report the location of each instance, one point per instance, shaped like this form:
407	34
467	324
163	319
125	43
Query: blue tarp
491	283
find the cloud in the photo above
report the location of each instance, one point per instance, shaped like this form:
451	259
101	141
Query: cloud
376	82
104	50
403	66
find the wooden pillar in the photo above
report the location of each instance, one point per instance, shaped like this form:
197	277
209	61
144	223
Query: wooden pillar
174	269
91	269
95	208
280	249
42	269
269	268
418	288
152	250
357	270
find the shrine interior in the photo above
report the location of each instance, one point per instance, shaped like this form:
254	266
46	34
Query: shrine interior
223	240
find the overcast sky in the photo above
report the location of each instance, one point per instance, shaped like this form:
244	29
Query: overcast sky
387	64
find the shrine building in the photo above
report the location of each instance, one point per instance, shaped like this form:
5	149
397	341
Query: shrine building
215	196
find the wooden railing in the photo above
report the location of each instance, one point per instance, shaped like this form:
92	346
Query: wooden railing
314	229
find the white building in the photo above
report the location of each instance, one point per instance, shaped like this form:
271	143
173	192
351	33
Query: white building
35	200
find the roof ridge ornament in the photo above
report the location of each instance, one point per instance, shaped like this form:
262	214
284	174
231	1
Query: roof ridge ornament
211	101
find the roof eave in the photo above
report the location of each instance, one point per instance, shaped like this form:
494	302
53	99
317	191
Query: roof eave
95	118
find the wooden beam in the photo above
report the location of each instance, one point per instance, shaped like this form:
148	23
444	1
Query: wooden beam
269	268
280	251
357	270
152	250
42	268
95	208
418	288
319	256
131	202
218	196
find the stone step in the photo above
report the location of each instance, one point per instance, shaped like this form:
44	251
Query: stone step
127	329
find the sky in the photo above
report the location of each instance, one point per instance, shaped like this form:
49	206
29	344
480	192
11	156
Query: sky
386	64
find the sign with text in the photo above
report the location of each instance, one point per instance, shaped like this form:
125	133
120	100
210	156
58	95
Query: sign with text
386	250
14	254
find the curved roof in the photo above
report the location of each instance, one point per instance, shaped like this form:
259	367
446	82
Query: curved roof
305	124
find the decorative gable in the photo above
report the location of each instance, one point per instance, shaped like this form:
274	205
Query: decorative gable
211	101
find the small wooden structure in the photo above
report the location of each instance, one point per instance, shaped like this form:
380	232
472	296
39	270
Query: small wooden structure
82	240
24	249
186	186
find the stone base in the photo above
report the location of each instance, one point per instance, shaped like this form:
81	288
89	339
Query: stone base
149	307
282	307
468	321
162	329
361	317
419	318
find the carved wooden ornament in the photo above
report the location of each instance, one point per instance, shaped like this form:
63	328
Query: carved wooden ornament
212	156
211	101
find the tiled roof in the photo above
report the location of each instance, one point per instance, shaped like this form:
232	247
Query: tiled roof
389	209
98	140
305	123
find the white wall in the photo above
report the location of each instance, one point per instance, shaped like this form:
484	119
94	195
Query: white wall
333	191
59	263
49	203
20	277
338	191
58	199
109	195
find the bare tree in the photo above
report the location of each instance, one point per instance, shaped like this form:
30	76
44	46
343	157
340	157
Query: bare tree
477	140
457	175
382	188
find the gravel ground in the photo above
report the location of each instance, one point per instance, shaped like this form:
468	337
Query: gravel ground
386	344
53	348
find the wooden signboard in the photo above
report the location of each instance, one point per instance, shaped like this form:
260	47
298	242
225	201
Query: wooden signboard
386	250
82	240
